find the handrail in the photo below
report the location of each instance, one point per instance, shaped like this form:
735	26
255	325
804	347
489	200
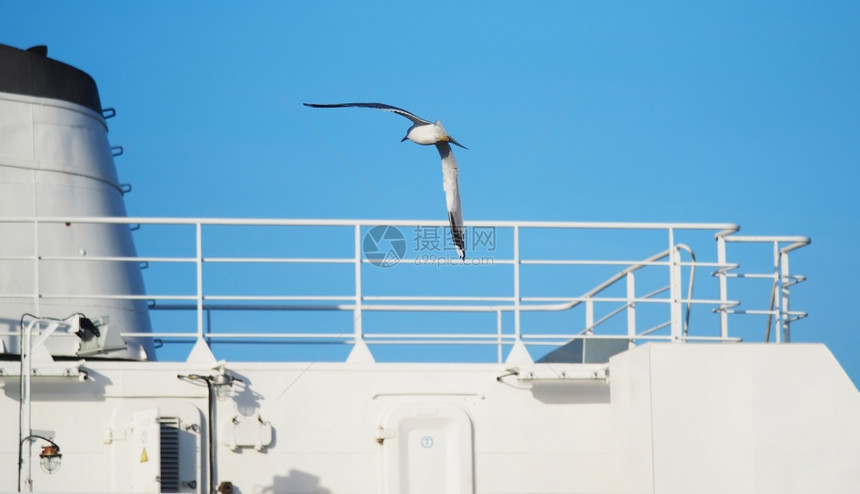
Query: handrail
364	299
580	225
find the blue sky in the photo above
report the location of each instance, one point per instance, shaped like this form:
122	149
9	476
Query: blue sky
582	111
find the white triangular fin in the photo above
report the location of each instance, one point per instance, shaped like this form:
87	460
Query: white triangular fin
519	355
360	354
201	353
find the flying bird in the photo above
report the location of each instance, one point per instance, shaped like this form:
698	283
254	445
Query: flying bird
425	133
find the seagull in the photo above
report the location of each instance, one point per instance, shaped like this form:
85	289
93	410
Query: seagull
425	133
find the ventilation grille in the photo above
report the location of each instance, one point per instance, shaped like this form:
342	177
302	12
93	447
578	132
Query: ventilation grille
169	454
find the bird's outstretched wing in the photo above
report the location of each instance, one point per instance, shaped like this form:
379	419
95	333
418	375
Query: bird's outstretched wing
378	106
450	182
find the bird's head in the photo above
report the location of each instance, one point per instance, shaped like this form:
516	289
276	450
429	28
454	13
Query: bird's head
446	137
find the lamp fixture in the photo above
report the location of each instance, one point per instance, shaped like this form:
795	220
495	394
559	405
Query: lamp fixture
222	383
50	458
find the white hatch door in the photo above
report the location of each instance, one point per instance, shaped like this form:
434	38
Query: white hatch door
146	444
428	449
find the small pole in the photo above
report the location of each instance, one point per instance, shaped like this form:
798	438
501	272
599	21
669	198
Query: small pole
784	315
631	309
675	288
199	263
517	283
358	334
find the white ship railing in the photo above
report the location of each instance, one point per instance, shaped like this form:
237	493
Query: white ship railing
620	293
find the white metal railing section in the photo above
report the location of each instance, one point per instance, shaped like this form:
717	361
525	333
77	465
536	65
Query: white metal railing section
650	296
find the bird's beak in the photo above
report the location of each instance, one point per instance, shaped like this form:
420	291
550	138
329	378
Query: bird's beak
451	139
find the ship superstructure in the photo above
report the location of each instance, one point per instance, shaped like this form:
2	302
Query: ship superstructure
352	356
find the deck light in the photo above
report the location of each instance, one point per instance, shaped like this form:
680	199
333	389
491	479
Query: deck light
50	458
222	383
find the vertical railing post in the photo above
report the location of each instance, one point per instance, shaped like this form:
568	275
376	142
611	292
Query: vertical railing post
724	296
199	263
631	310
499	336
776	302
785	282
37	289
589	315
675	288
357	331
517	334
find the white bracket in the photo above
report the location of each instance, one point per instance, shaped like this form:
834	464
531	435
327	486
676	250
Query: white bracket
247	431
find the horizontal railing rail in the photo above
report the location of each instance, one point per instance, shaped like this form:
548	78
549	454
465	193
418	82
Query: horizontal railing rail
660	285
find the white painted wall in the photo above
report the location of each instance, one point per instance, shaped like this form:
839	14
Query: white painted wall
735	418
676	418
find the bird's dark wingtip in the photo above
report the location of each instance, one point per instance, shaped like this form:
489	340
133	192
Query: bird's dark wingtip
457	235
